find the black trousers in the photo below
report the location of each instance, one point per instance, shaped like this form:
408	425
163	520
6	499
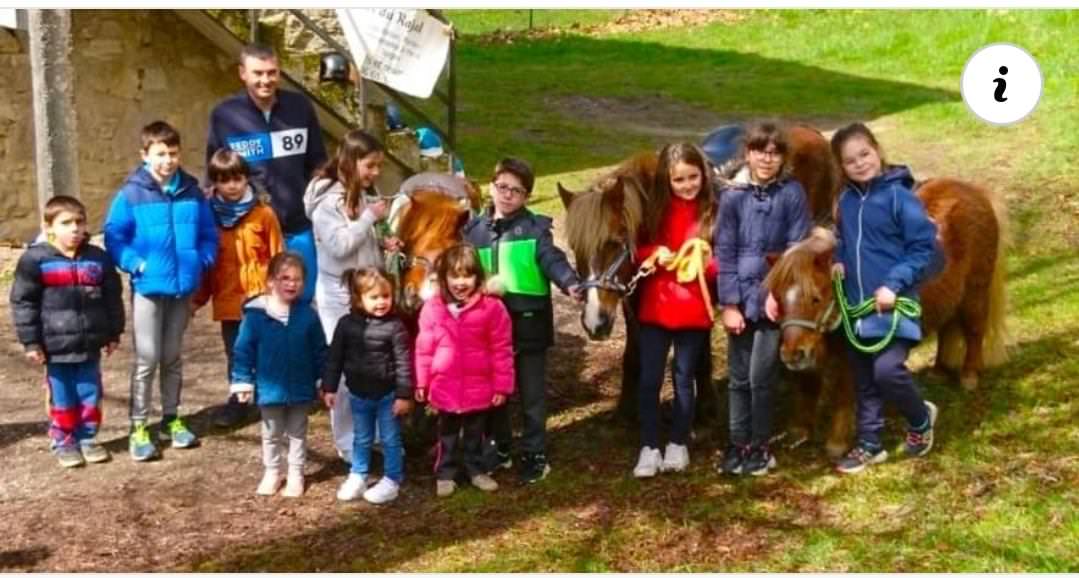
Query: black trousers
530	368
467	431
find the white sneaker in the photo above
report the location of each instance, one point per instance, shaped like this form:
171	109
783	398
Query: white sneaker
271	482
294	487
383	492
353	488
648	463
675	458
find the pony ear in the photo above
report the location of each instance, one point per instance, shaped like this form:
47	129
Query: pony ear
566	195
615	197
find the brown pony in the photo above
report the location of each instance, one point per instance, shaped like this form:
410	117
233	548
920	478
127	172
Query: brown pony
428	224
602	224
964	303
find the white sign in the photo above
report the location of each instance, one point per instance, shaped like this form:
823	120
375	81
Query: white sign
403	49
9	18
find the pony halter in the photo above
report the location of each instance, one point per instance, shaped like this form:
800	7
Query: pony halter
827	322
608	280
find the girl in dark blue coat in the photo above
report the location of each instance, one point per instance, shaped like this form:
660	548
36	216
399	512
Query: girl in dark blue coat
763	210
278	358
886	246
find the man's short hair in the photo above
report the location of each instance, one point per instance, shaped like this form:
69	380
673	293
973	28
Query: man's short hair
61	203
159	131
257	51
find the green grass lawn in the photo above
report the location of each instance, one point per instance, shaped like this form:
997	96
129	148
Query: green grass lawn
1001	491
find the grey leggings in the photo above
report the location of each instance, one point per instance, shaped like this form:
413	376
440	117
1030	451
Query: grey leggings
159	325
278	423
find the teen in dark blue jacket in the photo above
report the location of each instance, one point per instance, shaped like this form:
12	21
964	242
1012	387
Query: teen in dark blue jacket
764	211
886	247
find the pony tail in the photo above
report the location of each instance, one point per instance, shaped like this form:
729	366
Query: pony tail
997	338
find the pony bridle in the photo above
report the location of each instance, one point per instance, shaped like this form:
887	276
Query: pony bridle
608	281
827	322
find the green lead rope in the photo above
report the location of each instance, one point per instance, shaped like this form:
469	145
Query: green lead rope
904	306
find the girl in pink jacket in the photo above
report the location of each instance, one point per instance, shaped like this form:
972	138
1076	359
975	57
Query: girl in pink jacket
464	364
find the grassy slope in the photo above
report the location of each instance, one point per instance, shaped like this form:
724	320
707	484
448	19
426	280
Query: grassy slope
1001	492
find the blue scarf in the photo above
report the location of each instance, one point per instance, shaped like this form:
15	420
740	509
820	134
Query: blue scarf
230	213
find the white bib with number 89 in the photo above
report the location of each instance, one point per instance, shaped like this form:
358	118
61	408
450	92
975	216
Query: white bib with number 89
290	142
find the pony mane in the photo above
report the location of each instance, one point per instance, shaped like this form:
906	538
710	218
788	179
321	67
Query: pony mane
588	224
432	215
792	266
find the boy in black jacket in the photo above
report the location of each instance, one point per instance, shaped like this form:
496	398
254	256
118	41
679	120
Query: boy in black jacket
521	259
67	306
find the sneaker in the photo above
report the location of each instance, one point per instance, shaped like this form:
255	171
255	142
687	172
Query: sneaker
919	443
734	458
270	483
858	458
647	463
759	461
294	486
140	445
69	456
445	488
354	487
94	452
484	482
383	492
503	461
675	458
231	414
175	429
534	467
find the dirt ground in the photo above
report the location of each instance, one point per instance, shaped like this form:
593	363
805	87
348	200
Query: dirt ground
199	503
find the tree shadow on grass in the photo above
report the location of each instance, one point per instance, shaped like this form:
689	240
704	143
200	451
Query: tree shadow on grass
622	90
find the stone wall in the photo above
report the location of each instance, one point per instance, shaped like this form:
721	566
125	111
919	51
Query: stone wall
131	67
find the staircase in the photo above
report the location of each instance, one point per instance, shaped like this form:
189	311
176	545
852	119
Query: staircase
337	107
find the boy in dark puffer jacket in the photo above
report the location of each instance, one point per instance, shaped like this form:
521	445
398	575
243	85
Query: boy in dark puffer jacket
67	306
372	348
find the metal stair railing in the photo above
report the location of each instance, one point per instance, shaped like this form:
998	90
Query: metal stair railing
448	135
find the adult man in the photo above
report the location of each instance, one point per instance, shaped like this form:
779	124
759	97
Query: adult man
278	134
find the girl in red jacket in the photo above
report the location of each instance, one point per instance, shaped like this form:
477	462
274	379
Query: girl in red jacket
464	364
675	301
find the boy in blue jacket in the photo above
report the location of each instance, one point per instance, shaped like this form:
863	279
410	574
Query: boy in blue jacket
160	230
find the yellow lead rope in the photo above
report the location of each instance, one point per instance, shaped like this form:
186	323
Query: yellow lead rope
690	261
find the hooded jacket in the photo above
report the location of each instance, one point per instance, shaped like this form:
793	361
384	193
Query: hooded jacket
463	361
884	238
164	240
68	308
341	243
755	220
280	361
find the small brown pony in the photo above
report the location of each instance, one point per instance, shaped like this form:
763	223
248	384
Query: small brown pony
602	224
428	224
964	303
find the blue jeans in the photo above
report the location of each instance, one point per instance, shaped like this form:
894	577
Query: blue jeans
365	412
688	345
304	244
753	367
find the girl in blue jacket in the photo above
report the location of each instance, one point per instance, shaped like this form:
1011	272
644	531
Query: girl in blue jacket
278	358
886	245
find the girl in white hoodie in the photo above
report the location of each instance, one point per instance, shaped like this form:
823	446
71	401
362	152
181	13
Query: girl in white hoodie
343	218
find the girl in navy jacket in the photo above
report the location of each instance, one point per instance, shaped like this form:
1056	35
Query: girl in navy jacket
278	358
886	245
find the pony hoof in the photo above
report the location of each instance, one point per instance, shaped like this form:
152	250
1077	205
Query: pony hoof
969	382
